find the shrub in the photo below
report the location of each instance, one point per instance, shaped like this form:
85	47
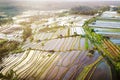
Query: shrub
10	75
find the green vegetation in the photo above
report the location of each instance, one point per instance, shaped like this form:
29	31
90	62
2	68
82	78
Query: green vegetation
86	44
10	75
49	55
5	21
40	67
86	10
103	44
51	29
27	30
42	44
68	31
7	47
87	69
75	33
117	66
117	9
18	50
31	38
2	41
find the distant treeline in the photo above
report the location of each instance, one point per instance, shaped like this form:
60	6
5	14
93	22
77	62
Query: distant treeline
86	10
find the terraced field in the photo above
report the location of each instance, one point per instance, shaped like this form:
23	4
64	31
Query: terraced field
68	65
62	53
60	44
64	32
59	58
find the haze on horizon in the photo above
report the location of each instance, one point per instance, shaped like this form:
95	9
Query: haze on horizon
60	0
66	0
13	6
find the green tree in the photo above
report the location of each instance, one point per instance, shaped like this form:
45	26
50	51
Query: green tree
27	31
6	21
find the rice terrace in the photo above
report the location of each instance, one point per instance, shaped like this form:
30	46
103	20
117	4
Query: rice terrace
59	40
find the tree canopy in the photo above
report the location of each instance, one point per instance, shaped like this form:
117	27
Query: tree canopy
86	10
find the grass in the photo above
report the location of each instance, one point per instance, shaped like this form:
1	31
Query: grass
86	43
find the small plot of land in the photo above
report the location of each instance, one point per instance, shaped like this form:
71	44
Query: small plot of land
106	24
